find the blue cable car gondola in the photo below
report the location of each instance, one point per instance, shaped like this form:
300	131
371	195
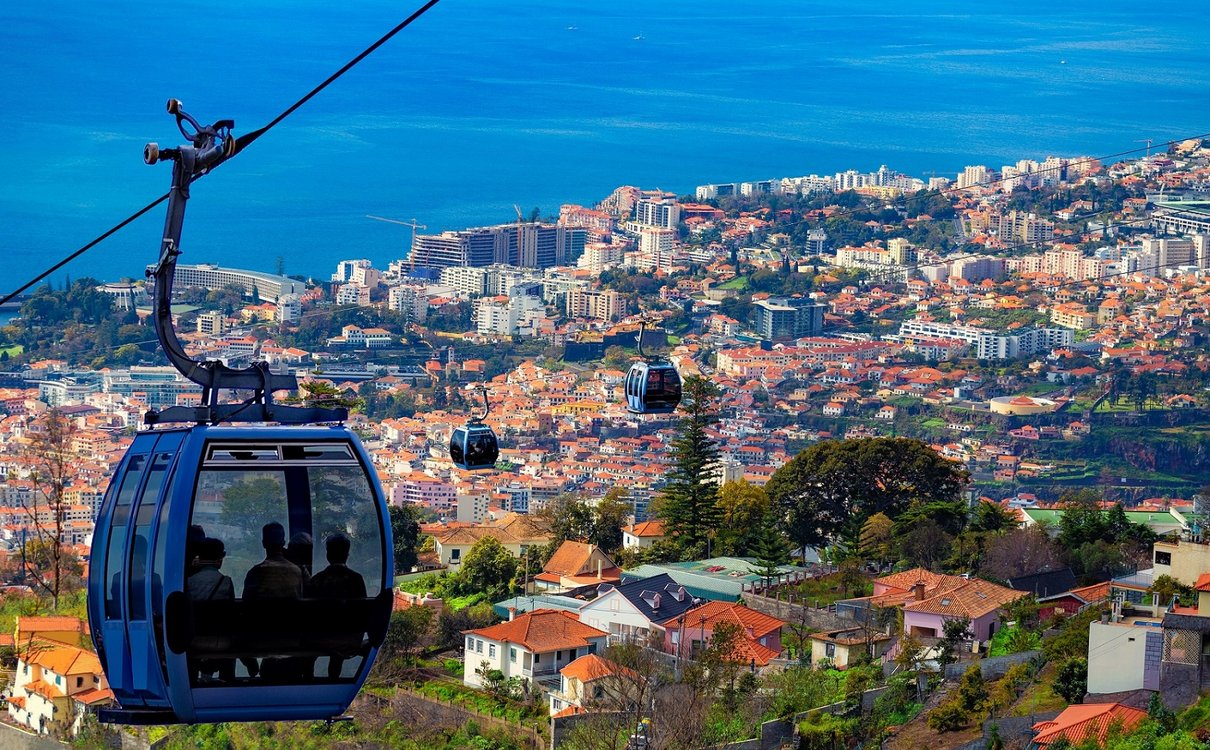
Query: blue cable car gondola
652	387
474	445
238	573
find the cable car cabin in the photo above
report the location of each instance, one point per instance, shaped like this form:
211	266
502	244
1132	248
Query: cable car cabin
474	446
240	574
652	388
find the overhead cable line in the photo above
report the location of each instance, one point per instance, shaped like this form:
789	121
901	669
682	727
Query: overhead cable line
241	143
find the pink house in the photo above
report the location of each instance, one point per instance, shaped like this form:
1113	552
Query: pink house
930	599
760	640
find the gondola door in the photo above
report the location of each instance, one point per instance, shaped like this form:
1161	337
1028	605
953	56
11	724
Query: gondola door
145	574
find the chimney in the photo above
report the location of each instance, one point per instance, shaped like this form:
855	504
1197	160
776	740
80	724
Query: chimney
918	590
512	613
598	568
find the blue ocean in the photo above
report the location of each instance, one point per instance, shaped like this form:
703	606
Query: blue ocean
485	104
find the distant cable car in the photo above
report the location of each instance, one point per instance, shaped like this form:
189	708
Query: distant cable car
238	573
652	386
474	445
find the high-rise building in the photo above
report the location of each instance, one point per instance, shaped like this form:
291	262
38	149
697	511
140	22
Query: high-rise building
604	305
655	248
787	317
409	300
526	245
974	176
662	212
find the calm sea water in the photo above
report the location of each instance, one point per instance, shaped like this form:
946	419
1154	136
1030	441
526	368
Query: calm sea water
484	104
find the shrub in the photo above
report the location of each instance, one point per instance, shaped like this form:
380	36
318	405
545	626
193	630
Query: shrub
950	716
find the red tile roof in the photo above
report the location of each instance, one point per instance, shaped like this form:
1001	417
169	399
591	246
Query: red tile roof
592	667
711	614
541	631
1078	723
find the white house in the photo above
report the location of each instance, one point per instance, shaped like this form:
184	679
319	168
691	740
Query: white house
533	646
642	535
634	610
57	682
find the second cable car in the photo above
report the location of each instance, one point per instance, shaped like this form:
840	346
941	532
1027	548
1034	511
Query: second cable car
652	387
237	573
474	445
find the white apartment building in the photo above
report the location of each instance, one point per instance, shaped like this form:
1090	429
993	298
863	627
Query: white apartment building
426	491
289	308
353	293
987	344
974	176
655	249
662	212
409	300
346	269
599	256
506	316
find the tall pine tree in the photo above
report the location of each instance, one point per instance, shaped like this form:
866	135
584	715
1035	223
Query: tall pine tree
770	550
688	504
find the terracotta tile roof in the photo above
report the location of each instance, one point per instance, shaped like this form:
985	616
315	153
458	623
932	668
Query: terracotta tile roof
973	599
572	559
46	690
541	630
571	710
747	651
749	620
592	667
1097	592
62	658
909	578
1081	722
1203	582
647	528
90	697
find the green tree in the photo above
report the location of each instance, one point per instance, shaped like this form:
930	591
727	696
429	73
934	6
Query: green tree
1071	681
769	550
405	535
688	502
876	538
992	517
972	690
399	649
488	568
953	633
840	483
742	509
1082	520
1170	588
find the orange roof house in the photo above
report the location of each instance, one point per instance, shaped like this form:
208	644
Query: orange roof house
1087	721
535	645
578	564
759	639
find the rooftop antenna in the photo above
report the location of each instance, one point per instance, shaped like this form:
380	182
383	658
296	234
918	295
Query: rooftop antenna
1148	142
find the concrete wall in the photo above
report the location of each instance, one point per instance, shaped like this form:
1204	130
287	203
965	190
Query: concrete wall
12	738
1116	657
816	619
992	668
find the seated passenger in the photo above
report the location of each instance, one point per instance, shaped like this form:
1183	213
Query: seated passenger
339	581
273	578
208	584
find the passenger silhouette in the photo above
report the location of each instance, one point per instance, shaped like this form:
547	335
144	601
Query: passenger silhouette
275	577
339	581
208	584
299	552
192	538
